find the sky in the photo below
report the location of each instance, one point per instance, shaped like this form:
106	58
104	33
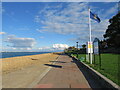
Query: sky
52	26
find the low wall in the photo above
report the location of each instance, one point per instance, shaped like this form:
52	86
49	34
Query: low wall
105	82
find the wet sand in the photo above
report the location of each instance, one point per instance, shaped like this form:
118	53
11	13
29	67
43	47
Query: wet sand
18	63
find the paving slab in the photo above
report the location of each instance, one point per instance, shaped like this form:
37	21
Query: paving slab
64	74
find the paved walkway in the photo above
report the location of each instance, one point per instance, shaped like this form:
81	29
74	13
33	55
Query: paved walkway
64	74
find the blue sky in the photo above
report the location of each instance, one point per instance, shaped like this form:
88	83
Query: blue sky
51	26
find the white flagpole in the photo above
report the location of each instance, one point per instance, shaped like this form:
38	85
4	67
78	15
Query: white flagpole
90	38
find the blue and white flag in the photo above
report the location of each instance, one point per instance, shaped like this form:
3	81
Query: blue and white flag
94	17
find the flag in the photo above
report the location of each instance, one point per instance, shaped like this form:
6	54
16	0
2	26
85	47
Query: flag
95	17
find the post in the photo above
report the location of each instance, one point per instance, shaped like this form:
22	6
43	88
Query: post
93	53
90	38
99	56
77	49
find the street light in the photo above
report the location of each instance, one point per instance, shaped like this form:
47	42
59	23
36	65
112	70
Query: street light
77	49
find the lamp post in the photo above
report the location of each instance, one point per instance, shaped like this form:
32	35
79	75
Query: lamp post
77	49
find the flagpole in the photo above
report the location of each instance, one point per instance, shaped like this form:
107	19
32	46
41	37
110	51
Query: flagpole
90	37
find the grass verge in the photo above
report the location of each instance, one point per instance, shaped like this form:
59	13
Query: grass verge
109	65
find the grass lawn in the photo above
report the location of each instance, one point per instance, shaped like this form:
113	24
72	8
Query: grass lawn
109	66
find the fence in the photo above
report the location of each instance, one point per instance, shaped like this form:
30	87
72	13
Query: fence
105	62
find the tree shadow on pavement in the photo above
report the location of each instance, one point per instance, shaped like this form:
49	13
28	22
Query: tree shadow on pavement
94	84
58	53
58	61
56	66
72	61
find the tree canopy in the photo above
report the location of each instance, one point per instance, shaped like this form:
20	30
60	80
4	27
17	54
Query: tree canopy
112	34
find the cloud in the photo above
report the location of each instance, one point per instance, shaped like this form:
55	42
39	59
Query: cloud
73	19
60	46
69	20
45	48
54	47
21	42
40	31
37	18
11	49
110	11
2	33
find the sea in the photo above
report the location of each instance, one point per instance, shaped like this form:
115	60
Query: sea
15	54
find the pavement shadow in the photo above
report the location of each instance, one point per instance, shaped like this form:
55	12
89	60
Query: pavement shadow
58	53
33	59
94	84
72	61
58	61
56	66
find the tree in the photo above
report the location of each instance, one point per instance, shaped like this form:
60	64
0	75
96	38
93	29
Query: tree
112	34
103	44
70	49
83	46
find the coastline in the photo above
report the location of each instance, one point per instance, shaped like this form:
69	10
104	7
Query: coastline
3	54
18	63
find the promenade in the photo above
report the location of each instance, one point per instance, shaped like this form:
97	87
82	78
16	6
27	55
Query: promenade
50	71
63	74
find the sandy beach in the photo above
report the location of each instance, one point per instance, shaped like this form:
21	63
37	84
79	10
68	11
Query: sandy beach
16	63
